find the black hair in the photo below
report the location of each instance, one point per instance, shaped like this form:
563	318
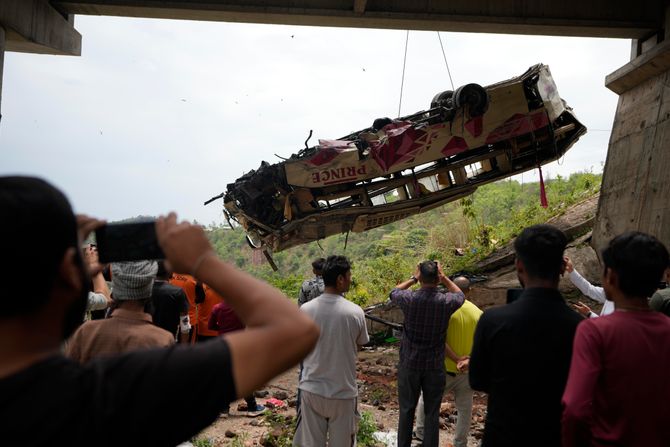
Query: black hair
317	264
639	261
429	272
540	248
334	267
200	294
379	123
163	272
36	228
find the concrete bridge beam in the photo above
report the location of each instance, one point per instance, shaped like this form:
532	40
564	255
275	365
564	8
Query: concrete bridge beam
34	26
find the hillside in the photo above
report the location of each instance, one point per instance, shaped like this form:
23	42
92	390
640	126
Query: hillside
459	235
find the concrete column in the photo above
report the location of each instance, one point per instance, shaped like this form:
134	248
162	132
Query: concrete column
635	190
2	63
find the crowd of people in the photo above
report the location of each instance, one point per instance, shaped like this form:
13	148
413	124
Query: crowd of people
555	375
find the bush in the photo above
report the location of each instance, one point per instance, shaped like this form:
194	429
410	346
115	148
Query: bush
366	428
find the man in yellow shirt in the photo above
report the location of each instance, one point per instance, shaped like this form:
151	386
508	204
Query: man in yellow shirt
460	335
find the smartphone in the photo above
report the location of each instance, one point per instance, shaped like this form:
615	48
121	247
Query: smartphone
133	241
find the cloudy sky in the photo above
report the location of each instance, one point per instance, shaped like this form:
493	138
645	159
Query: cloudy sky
160	115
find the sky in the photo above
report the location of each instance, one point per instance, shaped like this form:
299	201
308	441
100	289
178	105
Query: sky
160	115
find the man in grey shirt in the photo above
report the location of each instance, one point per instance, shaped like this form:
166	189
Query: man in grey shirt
311	288
328	408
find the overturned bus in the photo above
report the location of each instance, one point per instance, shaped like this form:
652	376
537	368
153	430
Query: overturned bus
400	167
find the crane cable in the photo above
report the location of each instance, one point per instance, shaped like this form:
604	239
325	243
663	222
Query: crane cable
444	55
402	80
404	64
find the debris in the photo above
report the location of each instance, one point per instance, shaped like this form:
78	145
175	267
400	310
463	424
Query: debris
281	395
275	403
388	438
230	434
343	185
261	393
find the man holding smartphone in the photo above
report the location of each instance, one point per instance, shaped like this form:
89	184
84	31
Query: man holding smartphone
421	367
50	400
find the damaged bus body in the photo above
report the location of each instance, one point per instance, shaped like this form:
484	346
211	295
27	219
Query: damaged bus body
398	168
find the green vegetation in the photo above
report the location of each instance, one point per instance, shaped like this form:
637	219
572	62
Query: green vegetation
239	440
281	431
384	256
282	428
366	428
202	442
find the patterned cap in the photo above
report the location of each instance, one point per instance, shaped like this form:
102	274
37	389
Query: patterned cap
133	280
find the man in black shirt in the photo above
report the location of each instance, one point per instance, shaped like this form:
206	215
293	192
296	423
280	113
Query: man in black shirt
135	398
521	353
169	305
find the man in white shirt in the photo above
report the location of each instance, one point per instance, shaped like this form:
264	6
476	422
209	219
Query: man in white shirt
594	292
328	390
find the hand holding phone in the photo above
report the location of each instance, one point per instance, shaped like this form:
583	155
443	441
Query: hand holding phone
186	246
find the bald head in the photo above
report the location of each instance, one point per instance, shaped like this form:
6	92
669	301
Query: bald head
463	283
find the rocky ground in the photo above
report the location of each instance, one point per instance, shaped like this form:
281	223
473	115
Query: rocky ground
378	395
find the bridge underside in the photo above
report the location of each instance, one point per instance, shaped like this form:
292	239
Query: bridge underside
635	191
599	18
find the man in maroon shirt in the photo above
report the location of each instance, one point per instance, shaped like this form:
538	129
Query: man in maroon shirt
617	391
224	320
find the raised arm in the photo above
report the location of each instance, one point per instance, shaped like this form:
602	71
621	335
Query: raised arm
414	279
588	289
446	282
278	335
99	284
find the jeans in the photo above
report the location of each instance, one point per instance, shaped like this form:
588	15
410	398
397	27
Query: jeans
463	400
411	383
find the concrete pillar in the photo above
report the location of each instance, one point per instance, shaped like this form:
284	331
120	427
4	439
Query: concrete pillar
635	191
2	63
